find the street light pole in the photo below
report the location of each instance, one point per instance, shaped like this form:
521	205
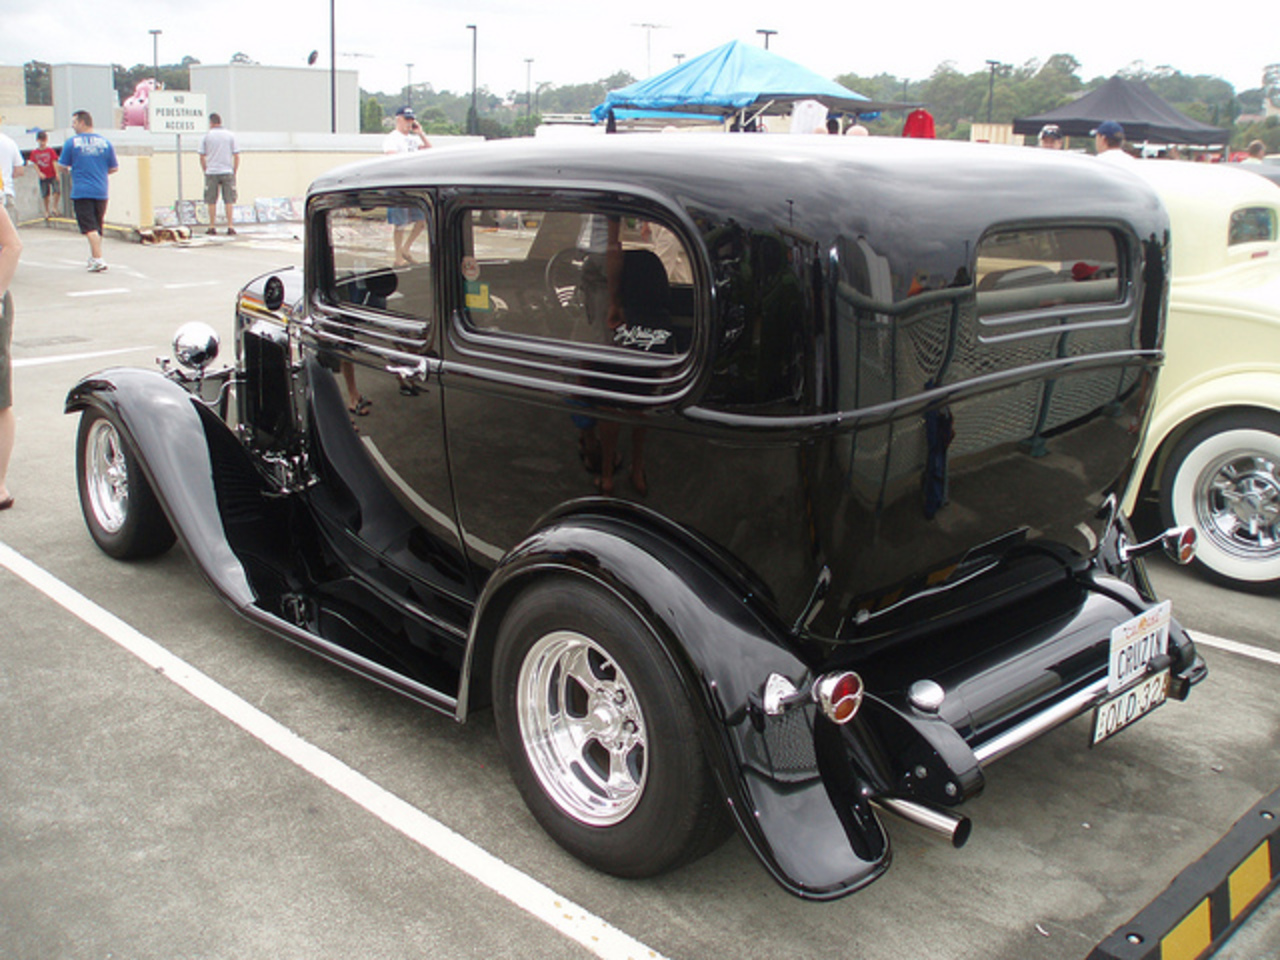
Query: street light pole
155	54
767	35
991	85
333	69
528	87
408	85
648	29
474	123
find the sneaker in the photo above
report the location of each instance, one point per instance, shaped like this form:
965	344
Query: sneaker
231	231
97	265
211	232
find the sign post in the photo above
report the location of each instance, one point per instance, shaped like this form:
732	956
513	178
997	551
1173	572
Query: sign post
177	112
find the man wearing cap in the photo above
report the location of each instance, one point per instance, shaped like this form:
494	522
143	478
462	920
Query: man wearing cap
408	222
1108	140
407	136
1051	137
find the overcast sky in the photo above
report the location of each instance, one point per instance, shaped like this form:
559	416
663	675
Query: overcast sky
571	41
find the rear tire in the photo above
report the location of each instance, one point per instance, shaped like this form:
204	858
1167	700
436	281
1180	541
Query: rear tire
599	734
120	509
1223	479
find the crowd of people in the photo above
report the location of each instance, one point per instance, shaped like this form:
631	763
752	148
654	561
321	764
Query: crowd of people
88	159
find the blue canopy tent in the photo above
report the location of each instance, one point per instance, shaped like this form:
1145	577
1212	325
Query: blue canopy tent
738	79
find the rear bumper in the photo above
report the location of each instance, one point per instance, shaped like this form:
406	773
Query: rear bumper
1005	680
1071	707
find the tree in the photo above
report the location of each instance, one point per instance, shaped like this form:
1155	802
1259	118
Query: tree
39	84
371	116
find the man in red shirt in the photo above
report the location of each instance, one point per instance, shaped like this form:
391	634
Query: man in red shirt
45	159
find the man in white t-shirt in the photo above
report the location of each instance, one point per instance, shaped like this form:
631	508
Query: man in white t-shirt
11	164
409	222
1108	140
407	136
220	161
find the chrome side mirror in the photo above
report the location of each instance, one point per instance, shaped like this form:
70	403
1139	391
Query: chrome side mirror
195	345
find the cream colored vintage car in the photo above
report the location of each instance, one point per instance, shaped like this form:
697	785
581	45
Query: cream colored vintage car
1211	456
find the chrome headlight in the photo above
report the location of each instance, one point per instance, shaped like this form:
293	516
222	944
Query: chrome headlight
195	345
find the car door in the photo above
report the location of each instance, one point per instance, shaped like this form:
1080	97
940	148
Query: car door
370	346
564	364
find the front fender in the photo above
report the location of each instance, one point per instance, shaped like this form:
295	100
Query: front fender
169	433
1190	402
723	648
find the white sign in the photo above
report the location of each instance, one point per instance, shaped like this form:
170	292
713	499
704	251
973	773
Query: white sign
177	111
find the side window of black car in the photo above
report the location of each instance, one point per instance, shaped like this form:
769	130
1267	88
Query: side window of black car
577	277
380	259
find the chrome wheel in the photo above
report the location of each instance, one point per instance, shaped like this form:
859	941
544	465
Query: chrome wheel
106	476
582	728
120	509
1237	502
1223	479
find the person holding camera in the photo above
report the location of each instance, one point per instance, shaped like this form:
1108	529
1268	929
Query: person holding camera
408	222
407	136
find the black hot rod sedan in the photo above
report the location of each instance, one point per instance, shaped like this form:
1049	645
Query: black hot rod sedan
756	482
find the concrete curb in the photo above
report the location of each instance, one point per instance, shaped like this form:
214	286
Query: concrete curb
1210	899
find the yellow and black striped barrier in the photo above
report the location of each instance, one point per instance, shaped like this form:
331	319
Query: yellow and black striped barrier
1209	899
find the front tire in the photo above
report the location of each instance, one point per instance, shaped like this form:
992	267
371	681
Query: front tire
120	508
1223	479
599	734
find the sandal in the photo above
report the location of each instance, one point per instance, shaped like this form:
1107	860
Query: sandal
361	407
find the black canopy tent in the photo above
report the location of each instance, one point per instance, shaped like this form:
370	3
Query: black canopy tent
1143	114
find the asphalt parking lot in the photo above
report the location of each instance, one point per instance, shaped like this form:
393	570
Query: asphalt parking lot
222	794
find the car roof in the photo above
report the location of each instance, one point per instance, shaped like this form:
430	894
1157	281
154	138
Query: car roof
798	177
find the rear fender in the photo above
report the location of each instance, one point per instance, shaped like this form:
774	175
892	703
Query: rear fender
789	805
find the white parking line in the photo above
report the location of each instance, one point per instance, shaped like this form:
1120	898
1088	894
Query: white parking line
97	293
78	357
1232	646
564	916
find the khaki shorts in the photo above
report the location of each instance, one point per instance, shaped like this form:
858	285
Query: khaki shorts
226	182
6	365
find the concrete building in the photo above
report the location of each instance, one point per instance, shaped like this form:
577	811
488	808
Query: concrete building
253	97
83	86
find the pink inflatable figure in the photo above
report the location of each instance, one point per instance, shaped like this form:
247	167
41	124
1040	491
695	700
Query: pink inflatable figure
135	107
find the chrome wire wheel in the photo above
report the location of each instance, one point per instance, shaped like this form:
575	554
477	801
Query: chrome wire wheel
106	476
1223	478
1237	504
582	728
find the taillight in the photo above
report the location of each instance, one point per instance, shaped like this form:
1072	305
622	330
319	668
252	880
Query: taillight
839	695
1180	544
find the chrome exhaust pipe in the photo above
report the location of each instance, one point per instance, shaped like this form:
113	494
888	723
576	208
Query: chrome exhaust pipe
953	826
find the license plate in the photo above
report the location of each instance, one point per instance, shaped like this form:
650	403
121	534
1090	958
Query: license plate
1136	643
1116	713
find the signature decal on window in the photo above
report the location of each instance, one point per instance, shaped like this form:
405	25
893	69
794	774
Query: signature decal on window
644	338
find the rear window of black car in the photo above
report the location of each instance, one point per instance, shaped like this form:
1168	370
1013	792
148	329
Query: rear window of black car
1035	268
582	277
